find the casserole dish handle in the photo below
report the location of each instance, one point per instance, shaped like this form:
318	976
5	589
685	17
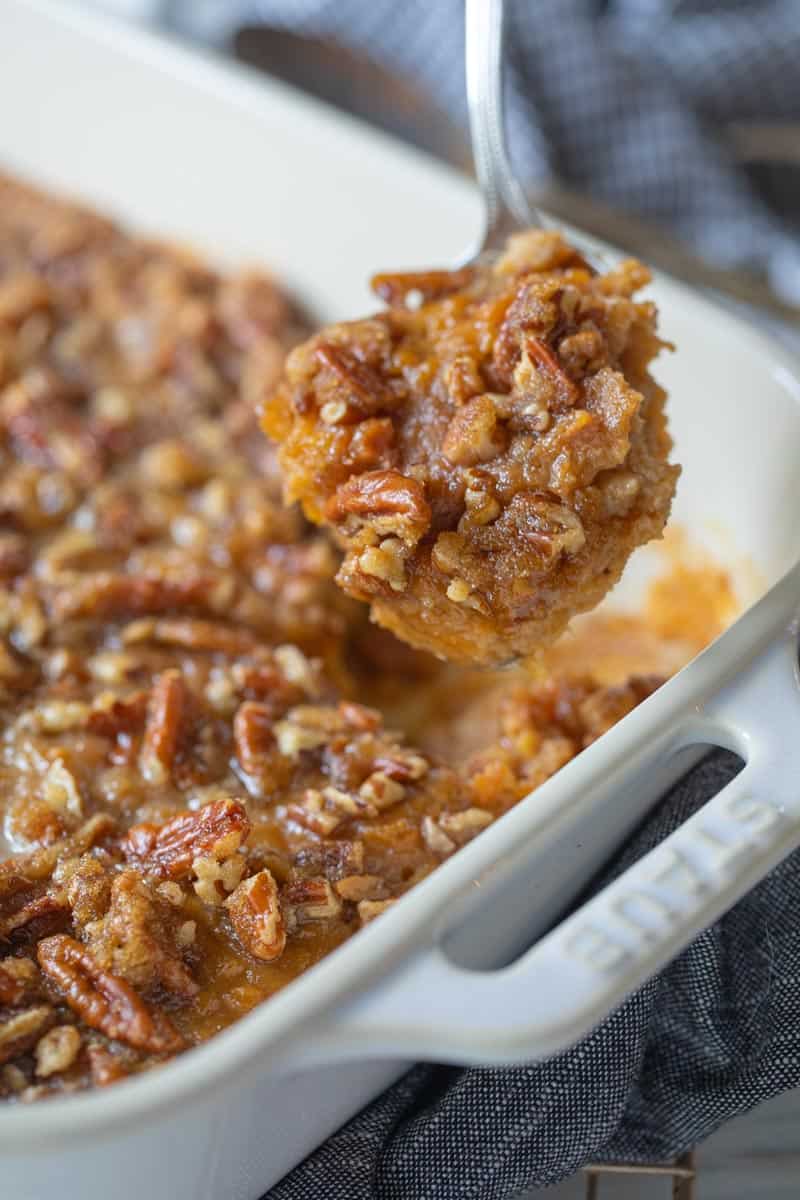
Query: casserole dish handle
584	968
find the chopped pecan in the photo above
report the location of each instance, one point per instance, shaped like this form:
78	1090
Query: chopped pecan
256	916
88	890
138	939
216	877
119	717
358	716
308	900
106	1067
314	815
462	826
540	353
406	766
397	288
169	850
435	838
333	859
15	554
371	445
380	790
547	527
388	502
362	393
18	874
60	790
385	562
360	887
164	727
368	910
20	1032
57	1050
11	989
104	1002
474	434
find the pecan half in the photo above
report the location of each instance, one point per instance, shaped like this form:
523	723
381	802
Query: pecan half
256	916
104	1002
169	850
253	739
163	730
386	501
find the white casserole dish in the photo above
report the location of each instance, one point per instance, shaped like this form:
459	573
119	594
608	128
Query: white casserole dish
181	145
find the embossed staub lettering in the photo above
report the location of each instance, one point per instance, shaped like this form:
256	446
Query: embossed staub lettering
646	905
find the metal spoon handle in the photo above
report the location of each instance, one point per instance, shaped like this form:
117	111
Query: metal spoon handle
507	207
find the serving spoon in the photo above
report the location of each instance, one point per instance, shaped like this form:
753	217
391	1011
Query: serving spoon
507	207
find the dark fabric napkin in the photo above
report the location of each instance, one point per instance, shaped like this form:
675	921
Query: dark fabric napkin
713	1035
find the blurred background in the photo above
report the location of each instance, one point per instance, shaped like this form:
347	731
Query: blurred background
669	127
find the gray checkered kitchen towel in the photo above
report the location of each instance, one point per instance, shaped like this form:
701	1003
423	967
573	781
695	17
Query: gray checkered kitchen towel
631	102
625	100
712	1036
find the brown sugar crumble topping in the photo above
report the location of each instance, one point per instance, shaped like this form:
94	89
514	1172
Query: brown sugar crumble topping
198	800
490	459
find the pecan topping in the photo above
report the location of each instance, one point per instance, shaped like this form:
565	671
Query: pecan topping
386	501
256	916
168	850
104	1002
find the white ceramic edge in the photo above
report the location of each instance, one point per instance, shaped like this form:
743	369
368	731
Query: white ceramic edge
383	945
583	969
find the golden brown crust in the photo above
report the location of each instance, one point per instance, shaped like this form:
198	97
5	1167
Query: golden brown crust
490	459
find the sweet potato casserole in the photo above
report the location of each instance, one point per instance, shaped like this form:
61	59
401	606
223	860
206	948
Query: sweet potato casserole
199	799
490	458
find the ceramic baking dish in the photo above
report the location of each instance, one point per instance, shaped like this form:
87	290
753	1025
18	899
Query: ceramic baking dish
181	145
